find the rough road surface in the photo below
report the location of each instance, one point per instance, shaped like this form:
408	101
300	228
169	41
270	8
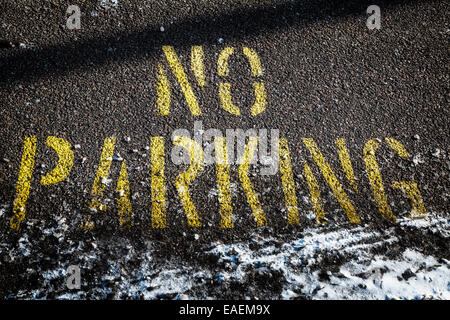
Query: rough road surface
357	206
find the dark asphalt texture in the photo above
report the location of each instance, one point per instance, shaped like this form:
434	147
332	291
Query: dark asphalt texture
326	74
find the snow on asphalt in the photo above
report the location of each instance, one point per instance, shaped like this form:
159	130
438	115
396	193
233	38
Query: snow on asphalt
299	265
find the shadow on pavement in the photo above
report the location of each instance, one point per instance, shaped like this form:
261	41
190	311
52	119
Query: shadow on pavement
45	62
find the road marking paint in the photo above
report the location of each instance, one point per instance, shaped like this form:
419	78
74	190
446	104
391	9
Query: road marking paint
182	79
260	99
197	65
223	181
314	192
398	147
222	61
23	182
346	163
65	161
252	197
260	92
99	184
255	62
410	188
376	182
332	181
158	184
418	210
225	99
163	92
123	201
226	102
287	180
184	179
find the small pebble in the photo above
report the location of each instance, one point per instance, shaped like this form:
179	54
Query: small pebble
117	157
436	153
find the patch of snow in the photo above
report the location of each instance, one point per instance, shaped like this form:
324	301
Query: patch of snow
300	262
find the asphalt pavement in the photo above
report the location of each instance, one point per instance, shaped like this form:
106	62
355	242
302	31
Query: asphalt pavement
361	110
